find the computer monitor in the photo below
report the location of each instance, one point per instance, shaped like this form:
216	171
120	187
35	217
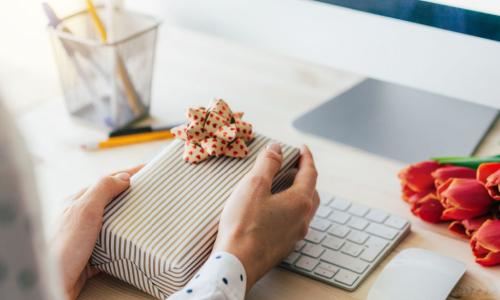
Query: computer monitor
433	68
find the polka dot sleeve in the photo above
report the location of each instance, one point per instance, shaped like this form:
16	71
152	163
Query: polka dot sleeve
222	277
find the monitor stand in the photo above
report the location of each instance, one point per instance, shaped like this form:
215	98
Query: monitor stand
398	122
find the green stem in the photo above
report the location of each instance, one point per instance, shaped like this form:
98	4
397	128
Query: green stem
466	161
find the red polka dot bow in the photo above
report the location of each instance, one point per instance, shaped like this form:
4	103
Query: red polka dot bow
215	131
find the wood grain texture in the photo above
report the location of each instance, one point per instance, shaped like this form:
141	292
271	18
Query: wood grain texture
272	90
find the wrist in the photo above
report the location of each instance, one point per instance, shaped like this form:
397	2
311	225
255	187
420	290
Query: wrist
246	252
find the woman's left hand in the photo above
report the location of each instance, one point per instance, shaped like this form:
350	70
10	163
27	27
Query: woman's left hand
79	227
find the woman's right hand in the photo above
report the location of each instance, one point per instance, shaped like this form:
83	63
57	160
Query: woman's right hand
261	228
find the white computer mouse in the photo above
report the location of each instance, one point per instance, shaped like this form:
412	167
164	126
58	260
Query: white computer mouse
417	274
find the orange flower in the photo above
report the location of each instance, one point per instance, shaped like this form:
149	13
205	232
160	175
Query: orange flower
489	174
463	199
417	179
485	243
441	175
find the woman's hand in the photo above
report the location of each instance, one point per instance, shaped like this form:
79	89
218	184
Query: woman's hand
79	227
261	228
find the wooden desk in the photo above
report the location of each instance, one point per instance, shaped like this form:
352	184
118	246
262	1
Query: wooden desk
272	91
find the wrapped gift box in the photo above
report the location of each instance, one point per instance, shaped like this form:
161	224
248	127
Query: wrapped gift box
159	232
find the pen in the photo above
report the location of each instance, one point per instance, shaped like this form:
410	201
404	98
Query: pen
138	130
128	140
54	21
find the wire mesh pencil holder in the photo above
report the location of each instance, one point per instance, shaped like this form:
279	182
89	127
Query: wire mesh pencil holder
106	82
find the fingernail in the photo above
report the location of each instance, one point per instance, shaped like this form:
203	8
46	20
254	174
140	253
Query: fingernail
275	147
123	176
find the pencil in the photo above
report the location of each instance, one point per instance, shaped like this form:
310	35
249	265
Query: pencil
128	140
131	95
97	21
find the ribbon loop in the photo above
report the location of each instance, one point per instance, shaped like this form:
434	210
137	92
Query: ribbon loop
215	131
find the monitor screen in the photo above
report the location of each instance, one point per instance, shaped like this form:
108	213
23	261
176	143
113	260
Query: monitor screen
439	14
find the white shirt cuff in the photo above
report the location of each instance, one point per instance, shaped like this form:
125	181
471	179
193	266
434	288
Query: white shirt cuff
221	277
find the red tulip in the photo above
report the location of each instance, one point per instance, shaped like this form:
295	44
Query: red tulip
493	185
463	199
428	208
466	228
489	174
485	243
441	175
485	170
417	179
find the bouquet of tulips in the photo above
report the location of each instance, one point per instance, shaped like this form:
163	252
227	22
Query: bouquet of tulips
463	191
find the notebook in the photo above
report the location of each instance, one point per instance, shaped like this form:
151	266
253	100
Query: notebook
159	232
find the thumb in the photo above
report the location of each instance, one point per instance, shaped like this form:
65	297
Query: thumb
268	162
107	188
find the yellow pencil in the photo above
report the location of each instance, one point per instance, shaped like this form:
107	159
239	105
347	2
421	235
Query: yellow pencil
122	71
97	21
129	140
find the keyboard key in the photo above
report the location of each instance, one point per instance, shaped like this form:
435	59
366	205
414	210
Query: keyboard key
344	240
307	263
312	250
339	230
324	197
340	204
291	258
396	222
324	273
314	236
299	245
381	231
323	211
374	241
333	242
344	261
358	209
357	223
352	249
376	215
329	267
339	217
370	253
357	237
346	277
319	224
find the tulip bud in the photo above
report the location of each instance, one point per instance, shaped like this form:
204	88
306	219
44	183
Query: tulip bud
485	170
441	175
466	228
417	179
493	185
428	208
489	174
485	243
463	199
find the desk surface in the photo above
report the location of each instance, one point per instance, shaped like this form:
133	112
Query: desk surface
272	90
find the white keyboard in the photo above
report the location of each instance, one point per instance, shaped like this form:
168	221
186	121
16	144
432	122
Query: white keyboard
346	240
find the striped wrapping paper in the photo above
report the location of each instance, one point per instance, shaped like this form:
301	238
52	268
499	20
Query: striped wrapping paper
159	232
